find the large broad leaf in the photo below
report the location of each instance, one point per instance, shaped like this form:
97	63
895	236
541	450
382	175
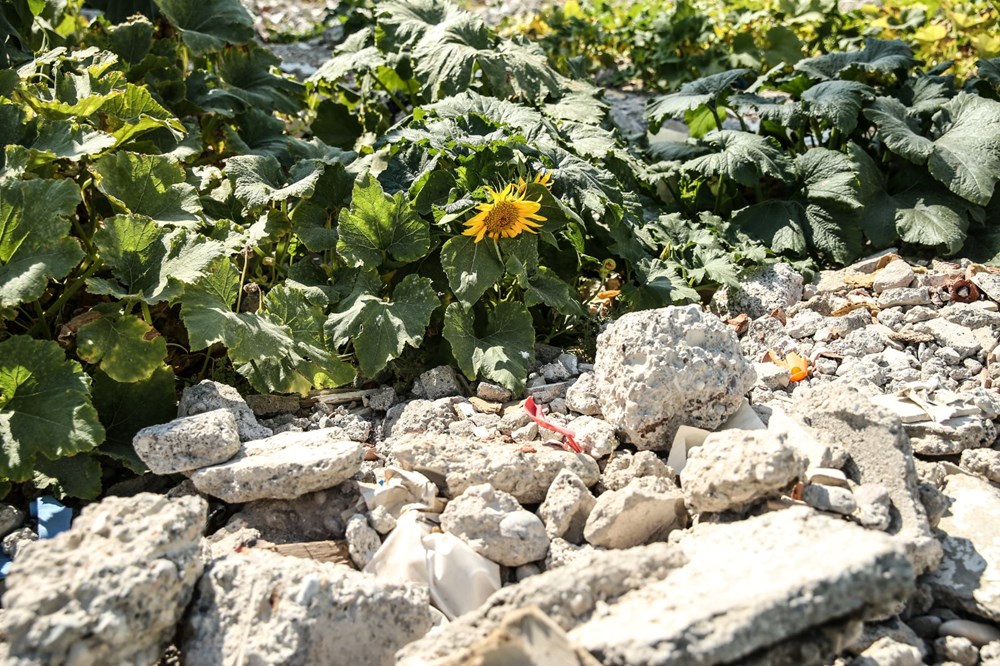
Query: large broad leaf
246	78
544	286
471	267
149	262
45	408
822	216
708	90
65	139
127	348
380	330
133	112
742	157
989	70
35	245
127	408
879	55
354	56
404	23
837	102
499	112
522	71
208	25
927	216
966	158
898	129
446	57
72	476
280	349
500	351
377	226
149	185
259	180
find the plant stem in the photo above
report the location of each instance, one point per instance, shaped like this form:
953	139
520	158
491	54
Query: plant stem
146	314
715	116
243	279
395	100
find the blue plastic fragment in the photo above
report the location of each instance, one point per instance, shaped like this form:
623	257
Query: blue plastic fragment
5	563
52	516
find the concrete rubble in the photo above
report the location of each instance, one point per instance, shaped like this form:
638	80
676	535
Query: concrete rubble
800	473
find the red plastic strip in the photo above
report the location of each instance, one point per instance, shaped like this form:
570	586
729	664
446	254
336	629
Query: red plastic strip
535	412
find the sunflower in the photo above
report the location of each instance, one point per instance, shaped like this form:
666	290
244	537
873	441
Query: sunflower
544	178
507	215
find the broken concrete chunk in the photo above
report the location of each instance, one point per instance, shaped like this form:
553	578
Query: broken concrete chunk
659	369
209	396
189	443
494	525
566	507
263	608
284	466
645	510
734	468
455	463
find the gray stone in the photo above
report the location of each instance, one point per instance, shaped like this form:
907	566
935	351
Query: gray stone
10	519
362	540
892	298
554	372
892	628
645	510
112	589
874	506
562	553
283	466
380	399
493	392
545	393
957	650
979	633
581	397
949	437
771	376
566	507
567	594
830	498
420	416
764	335
188	443
947	334
895	275
595	436
734	468
969	576
626	466
494	525
526	433
971	315
760	292
259	607
721	594
270	404
319	516
513	419
804	324
887	652
878	452
989	283
439	382
14	542
209	396
455	463
382	520
984	462
659	369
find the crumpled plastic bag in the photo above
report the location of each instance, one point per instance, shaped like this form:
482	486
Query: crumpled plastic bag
416	551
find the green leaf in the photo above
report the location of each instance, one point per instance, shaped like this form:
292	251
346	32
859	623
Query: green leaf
377	226
879	55
380	330
149	185
499	112
544	286
64	139
208	25
35	245
312	224
837	102
447	55
259	180
966	157
134	112
471	267
148	261
776	224
127	348
246	77
501	351
257	133
520	255
742	157
931	220
433	189
705	91
897	129
336	125
131	40
127	408
355	55
520	70
206	308
45	408
989	70
72	476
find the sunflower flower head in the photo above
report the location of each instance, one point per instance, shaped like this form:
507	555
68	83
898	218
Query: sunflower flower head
506	215
543	178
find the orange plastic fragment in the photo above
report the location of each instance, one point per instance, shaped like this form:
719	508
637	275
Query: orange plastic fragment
798	366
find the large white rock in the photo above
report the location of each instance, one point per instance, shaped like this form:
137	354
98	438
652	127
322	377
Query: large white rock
283	466
494	525
111	589
760	292
259	607
209	396
733	468
188	443
566	507
455	463
647	509
659	369
968	578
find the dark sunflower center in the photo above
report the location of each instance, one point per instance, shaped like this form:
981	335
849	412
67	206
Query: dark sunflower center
502	216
